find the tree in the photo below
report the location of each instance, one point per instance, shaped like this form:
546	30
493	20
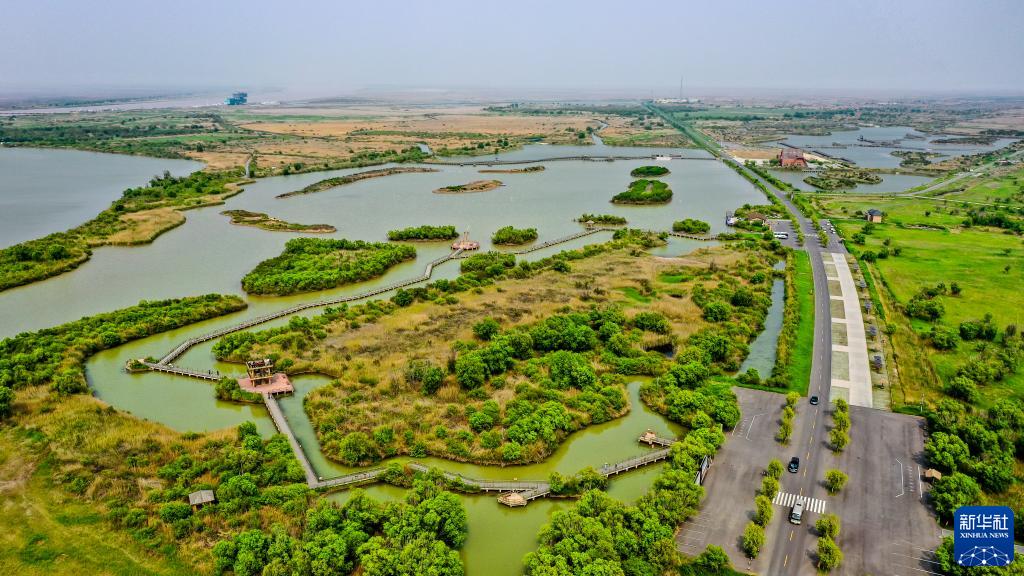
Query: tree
829	555
713	560
717	311
470	370
571	370
775	469
6	402
838	439
763	510
753	540
964	388
769	487
486	329
953	491
835	480
946	452
828	526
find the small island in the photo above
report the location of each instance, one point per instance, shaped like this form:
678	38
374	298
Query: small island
509	236
349	179
840	178
309	264
527	170
649	171
915	158
424	233
265	222
691	226
472	187
601	219
644	192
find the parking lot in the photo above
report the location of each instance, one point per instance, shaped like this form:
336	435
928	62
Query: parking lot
735	477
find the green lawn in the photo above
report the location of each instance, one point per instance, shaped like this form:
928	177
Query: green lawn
974	258
803	351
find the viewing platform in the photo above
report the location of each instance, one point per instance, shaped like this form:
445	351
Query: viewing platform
262	379
465	243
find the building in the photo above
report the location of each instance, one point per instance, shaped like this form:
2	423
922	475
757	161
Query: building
873	215
260	371
237	99
465	243
201	498
262	379
756	218
792	158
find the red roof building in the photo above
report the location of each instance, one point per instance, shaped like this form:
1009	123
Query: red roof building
792	158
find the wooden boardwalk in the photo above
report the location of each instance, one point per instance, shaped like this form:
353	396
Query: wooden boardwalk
526	490
691	236
564	158
187	344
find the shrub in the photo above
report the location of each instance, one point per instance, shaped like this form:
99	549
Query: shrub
774	469
829	555
838	439
713	560
717	311
763	510
828	526
963	388
753	540
835	480
945	338
486	329
769	487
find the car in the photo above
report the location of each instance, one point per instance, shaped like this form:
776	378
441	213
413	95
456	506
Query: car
814	400
796	515
794	464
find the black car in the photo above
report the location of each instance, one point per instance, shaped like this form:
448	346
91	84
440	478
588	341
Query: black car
814	400
794	464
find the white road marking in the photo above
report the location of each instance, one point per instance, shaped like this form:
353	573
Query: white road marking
900	464
787	500
751	426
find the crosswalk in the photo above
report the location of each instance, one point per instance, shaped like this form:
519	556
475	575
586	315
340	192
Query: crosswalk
785	499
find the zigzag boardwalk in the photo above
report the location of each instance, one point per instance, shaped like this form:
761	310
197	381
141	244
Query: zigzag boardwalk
691	236
184	346
564	158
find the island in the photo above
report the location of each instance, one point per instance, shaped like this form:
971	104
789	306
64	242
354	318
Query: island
526	170
915	158
505	377
309	264
265	222
601	219
509	236
691	226
474	186
424	233
644	192
329	183
649	171
840	178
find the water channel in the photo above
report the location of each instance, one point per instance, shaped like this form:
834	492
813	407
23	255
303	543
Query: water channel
207	254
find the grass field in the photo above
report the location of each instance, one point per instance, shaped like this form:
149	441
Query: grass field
800	368
935	249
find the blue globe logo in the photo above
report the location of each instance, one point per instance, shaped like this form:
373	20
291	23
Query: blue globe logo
983	556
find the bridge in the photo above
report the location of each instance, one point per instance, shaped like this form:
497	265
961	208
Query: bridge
179	371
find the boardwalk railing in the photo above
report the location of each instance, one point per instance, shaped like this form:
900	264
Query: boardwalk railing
691	236
178	370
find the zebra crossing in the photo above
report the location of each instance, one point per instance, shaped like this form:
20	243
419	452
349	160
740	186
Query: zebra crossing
787	500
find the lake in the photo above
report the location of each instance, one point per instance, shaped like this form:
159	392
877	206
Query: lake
43	191
207	254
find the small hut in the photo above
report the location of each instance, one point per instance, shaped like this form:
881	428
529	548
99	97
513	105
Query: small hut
201	498
932	475
874	215
648	437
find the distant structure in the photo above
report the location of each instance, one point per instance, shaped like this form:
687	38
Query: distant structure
792	158
263	380
465	243
873	215
237	99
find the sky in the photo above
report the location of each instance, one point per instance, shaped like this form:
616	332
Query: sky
898	47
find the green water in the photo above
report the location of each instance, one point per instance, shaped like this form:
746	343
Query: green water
209	255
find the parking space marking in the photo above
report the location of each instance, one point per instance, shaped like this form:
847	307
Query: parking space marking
787	500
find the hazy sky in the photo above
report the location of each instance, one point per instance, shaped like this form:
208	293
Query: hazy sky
893	46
